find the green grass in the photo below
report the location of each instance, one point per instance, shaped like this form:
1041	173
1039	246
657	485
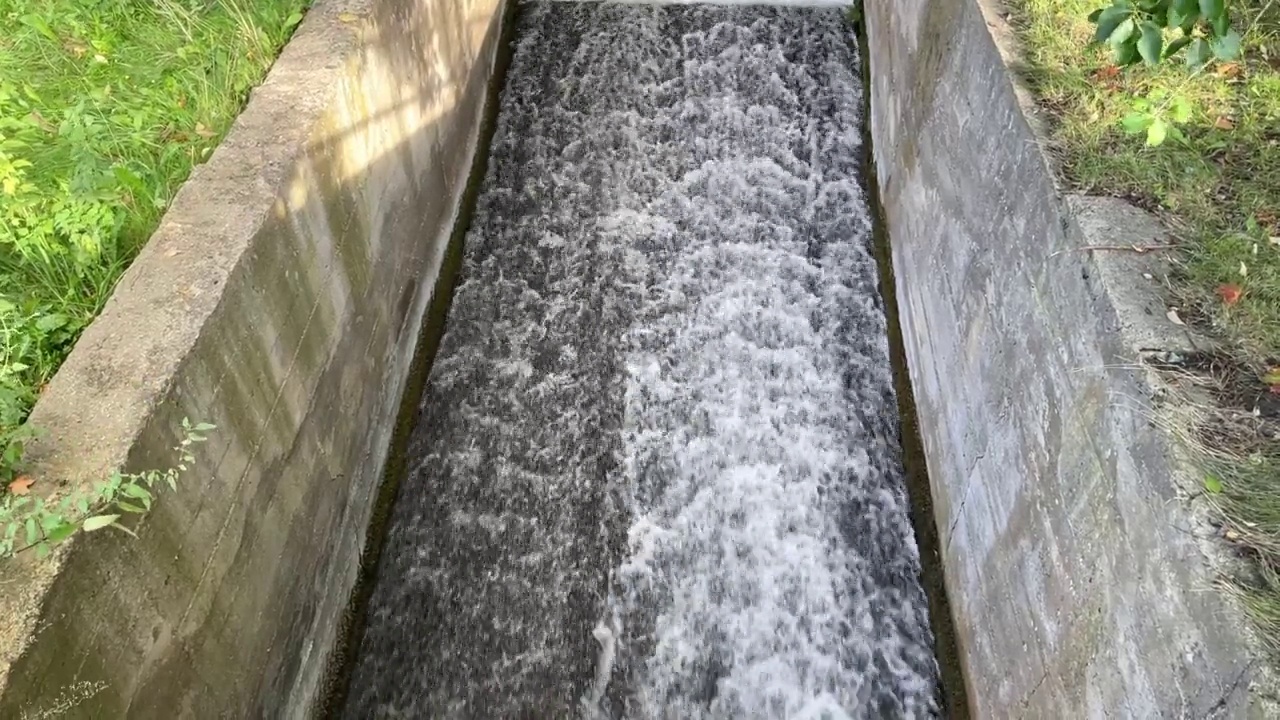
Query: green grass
1218	187
105	107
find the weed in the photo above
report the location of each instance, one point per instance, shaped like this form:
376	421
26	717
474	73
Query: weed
105	107
1136	30
39	523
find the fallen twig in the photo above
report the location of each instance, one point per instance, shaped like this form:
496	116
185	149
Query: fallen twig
1126	248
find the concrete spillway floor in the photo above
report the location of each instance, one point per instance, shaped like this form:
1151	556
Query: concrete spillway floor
656	471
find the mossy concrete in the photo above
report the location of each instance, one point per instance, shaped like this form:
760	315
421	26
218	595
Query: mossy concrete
1071	539
281	299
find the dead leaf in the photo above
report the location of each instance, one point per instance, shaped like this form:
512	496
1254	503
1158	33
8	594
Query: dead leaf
1224	123
75	47
347	17
1231	534
1244	269
1230	293
43	124
1173	317
21	485
179	137
204	132
1107	77
1230	70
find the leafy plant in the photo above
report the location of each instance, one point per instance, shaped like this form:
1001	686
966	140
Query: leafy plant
1158	115
105	108
38	523
1137	31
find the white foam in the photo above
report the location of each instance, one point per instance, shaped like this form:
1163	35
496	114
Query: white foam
758	448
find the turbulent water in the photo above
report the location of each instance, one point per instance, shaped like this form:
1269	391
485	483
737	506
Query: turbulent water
657	470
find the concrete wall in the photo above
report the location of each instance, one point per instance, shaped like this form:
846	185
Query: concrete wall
281	299
1077	583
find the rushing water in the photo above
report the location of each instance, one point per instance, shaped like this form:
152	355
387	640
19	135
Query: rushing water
656	468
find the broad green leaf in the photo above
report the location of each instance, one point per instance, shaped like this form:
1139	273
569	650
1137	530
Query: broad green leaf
205	427
1157	132
1134	123
1211	9
1127	54
49	522
1227	47
1199	53
97	522
1123	32
1108	21
62	532
51	322
42	550
136	491
33	532
1180	110
130	507
1093	16
1186	8
1151	42
1176	45
13	454
1221	25
1212	484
